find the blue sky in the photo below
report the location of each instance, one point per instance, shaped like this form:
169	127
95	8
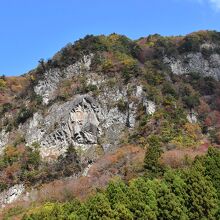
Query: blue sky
35	29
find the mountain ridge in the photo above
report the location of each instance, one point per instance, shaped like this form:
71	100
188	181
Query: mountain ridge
101	94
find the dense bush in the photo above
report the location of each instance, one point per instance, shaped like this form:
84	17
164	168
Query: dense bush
21	163
23	115
191	43
93	44
191	101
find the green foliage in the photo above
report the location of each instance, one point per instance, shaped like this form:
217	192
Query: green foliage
169	89
117	194
99	208
142	194
151	160
190	44
153	75
202	202
33	158
93	44
122	105
212	167
91	88
120	43
191	101
181	194
22	164
169	204
37	98
68	164
2	83
164	46
6	107
23	115
13	211
184	194
50	211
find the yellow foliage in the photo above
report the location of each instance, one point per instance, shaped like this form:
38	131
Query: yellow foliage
32	77
151	44
107	65
190	137
11	151
124	58
109	41
193	130
2	83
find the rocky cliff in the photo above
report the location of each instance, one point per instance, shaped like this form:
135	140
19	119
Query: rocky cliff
104	92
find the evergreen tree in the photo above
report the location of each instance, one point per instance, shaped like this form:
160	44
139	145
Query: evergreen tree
177	186
169	204
212	167
202	202
117	193
153	153
99	208
123	213
143	199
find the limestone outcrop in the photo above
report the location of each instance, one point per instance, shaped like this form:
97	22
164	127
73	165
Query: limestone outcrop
47	86
10	195
195	62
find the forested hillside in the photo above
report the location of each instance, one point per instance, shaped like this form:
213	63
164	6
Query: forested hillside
114	128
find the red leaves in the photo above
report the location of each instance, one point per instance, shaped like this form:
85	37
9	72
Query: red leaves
180	157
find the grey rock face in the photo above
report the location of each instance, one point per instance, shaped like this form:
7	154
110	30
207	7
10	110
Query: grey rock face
150	107
3	140
81	122
192	117
195	62
75	122
11	195
47	87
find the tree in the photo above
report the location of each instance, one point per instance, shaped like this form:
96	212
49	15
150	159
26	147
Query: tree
202	201
117	193
42	64
99	208
191	101
212	167
123	213
151	163
142	195
177	186
169	205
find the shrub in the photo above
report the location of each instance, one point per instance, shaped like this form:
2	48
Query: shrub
91	88
191	43
2	83
191	101
122	105
23	115
169	89
6	107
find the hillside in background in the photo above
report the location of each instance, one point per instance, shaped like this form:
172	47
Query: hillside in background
111	128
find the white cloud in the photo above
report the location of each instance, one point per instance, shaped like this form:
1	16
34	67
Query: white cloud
215	4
